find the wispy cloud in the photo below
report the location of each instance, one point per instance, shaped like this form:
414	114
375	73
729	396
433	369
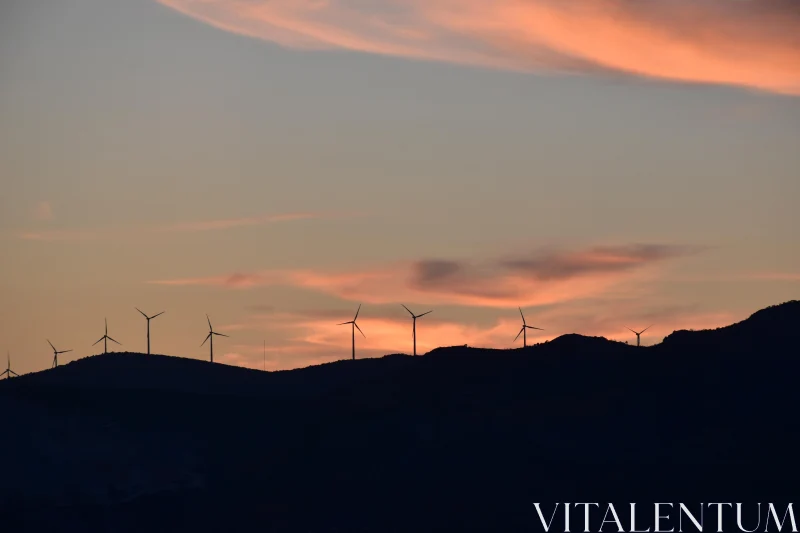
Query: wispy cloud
541	278
229	223
749	43
776	276
64	235
184	227
232	281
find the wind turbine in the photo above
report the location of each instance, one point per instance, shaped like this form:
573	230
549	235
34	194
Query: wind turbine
55	353
105	338
148	318
638	333
355	326
415	317
211	334
524	330
8	372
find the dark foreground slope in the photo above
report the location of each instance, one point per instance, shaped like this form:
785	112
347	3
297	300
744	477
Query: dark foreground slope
461	439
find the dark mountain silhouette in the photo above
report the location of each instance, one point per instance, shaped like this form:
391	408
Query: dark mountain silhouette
774	327
461	439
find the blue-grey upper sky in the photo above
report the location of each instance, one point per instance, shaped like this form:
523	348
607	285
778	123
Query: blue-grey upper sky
183	157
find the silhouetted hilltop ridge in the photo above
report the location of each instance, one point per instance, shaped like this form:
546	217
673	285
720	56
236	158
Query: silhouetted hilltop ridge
569	344
136	370
462	439
129	370
582	343
774	326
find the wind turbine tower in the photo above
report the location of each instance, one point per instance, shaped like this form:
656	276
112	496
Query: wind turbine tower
524	330
210	336
639	334
354	328
8	372
105	338
414	327
55	353
148	318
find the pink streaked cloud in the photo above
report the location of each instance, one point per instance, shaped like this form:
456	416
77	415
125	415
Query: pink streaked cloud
542	278
184	227
754	44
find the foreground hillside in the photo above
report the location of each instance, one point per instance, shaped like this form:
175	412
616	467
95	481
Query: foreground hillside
461	439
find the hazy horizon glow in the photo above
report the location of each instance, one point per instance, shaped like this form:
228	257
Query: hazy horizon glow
602	164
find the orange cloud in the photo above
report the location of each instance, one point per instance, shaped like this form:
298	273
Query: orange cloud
539	279
748	43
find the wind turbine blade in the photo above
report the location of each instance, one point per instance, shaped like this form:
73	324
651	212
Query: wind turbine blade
518	334
101	338
645	329
409	310
65	351
159	314
358	311
144	315
207	337
209	324
115	341
523	316
629	329
423	314
219	334
344	323
17	375
51	345
359	329
531	327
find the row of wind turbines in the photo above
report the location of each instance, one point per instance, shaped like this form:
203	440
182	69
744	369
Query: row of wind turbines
8	373
105	338
523	330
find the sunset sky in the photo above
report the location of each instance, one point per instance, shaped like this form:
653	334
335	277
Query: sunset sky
274	163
